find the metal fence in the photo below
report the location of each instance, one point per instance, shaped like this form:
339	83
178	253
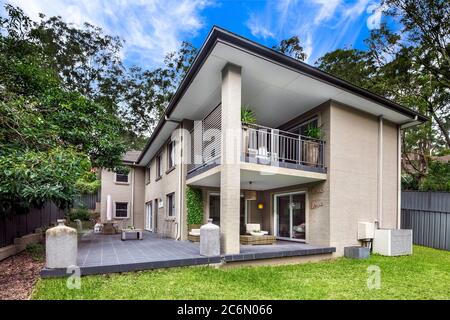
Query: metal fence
428	215
22	224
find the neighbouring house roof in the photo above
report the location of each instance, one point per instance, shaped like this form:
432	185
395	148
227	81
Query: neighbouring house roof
443	159
131	156
232	45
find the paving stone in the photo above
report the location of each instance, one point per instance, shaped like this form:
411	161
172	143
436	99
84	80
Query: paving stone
99	253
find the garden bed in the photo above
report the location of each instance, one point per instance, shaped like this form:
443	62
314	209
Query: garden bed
19	273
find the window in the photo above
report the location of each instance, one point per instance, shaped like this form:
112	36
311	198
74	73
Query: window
171	154
158	167
121	210
304	127
171	204
121	177
147	174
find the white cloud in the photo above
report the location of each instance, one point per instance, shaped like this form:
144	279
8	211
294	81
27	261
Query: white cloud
322	25
376	13
258	29
150	28
326	10
356	9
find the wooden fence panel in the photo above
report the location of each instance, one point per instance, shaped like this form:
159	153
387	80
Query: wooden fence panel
16	226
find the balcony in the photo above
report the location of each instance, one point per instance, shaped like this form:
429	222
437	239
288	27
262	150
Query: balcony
269	146
260	145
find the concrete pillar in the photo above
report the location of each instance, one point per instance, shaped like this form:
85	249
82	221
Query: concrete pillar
230	176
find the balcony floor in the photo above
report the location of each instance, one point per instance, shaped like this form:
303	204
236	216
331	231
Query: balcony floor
263	177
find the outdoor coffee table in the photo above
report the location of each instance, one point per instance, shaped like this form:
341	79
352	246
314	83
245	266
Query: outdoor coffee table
138	234
253	240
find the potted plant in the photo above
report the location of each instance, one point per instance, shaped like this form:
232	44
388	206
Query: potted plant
311	147
247	117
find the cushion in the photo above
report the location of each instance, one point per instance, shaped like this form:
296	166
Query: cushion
194	232
251	227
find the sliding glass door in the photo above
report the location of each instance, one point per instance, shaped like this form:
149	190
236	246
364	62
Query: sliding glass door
290	216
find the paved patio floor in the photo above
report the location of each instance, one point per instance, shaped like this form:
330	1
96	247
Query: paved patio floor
99	253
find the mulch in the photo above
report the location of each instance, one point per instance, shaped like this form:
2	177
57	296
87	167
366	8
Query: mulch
18	275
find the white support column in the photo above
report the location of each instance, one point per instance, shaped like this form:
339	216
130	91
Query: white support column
380	171
399	177
230	177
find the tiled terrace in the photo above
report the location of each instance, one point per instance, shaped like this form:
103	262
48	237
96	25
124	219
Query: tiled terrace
107	253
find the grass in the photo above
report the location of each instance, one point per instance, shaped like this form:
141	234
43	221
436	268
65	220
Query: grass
424	275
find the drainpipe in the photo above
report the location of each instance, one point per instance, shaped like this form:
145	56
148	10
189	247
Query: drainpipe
132	195
180	184
399	159
380	172
180	177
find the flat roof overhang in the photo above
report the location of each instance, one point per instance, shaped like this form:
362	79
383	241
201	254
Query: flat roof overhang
271	82
259	177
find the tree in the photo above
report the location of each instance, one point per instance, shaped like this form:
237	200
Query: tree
292	48
427	26
396	69
352	65
438	178
50	135
147	93
88	61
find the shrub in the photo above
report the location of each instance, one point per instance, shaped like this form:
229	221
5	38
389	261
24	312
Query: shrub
194	203
81	213
88	183
36	251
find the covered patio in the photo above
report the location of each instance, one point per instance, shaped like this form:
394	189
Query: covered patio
98	254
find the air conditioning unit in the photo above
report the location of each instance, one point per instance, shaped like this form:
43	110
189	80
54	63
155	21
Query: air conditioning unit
392	242
365	230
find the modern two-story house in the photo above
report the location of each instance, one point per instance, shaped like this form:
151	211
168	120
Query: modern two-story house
321	156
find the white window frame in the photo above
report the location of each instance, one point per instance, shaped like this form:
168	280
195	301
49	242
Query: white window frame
148	175
158	164
128	210
171	155
122	182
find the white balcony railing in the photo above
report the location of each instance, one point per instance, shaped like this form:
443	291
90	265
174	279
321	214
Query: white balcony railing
281	148
262	145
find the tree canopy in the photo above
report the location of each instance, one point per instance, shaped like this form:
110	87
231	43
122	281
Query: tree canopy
410	66
50	133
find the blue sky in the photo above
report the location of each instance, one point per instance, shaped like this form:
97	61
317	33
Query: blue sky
151	28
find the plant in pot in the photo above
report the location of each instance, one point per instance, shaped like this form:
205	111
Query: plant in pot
247	118
311	147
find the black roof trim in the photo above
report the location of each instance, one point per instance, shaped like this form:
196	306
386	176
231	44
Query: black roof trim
218	34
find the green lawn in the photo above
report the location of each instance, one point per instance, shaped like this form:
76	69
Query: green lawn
424	275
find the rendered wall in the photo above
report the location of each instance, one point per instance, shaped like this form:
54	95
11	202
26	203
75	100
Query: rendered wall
124	193
353	173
